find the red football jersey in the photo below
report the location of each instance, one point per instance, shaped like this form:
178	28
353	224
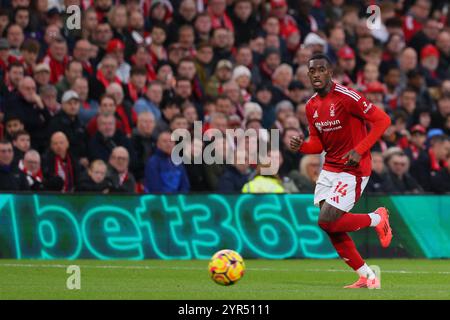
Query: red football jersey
339	121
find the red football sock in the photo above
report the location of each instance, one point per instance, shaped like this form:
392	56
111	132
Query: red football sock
348	222
346	249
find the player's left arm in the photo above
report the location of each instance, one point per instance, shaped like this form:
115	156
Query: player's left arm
378	119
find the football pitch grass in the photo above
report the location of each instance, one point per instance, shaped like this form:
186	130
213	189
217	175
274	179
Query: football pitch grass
189	280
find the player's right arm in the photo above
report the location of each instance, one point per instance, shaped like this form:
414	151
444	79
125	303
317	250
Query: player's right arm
313	145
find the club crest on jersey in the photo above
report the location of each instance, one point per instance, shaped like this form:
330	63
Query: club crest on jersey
315	115
332	114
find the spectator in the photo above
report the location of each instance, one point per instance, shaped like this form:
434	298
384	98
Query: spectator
118	171
108	105
49	95
161	174
61	170
57	59
31	167
10	179
135	88
416	142
398	177
124	112
291	160
151	100
116	48
306	176
88	107
236	175
68	122
169	110
21	144
441	181
29	108
379	181
265	182
13	125
41	74
94	180
431	161
73	71
106	74
107	138
195	167
221	75
81	53
143	141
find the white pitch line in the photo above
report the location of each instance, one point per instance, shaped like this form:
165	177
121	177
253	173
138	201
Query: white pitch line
22	265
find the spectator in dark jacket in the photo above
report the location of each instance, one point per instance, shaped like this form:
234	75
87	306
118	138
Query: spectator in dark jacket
236	175
161	174
305	178
107	138
21	144
67	121
398	177
29	108
379	181
95	180
291	159
143	142
10	179
431	161
118	171
441	181
61	169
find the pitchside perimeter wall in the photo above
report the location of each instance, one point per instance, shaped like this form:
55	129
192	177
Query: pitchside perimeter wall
195	226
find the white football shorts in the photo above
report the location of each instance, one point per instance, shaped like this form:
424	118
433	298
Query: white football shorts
340	189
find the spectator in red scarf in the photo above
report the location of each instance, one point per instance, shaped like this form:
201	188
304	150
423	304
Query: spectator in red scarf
82	53
31	167
124	109
271	61
431	161
30	50
106	74
118	171
141	58
157	49
417	15
116	48
57	59
107	106
416	142
136	86
60	168
219	17
288	27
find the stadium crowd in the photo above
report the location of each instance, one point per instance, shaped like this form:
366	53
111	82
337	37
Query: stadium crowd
92	109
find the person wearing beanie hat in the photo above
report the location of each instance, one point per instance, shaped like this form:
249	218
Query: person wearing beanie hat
116	48
252	110
429	62
242	76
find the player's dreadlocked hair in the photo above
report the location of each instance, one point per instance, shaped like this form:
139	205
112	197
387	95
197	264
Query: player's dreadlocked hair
319	56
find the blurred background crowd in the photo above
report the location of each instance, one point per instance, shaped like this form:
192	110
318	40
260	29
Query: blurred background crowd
92	109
